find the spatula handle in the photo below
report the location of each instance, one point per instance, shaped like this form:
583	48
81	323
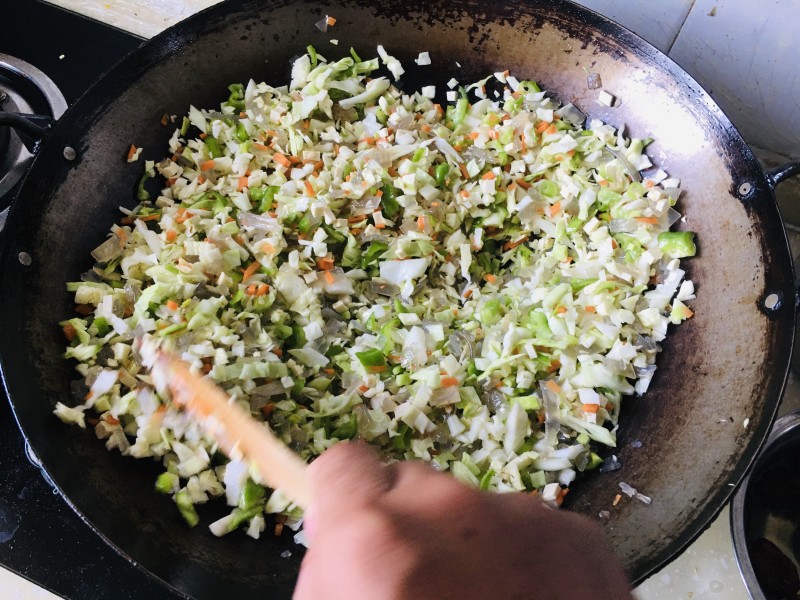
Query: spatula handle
236	432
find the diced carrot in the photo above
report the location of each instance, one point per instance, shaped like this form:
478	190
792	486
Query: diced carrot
541	126
111	419
282	160
449	382
131	151
488	175
329	371
649	184
467	293
121	234
356	218
172	235
490	278
512	245
173	305
553	386
363	389
152	217
602	182
309	188
591	408
590	309
243	183
201	180
551	130
617	498
69	332
259	146
560	495
325	263
554	366
250	270
464	171
421	223
329	277
263	289
555	208
164	119
330	21
171	181
277	351
207	165
425	127
523	184
377	369
267	409
251	289
203	136
473	135
182	215
648	220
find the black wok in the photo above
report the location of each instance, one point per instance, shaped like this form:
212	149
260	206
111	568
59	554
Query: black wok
721	374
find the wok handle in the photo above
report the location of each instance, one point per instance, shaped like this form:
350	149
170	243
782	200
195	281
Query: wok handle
31	128
779	174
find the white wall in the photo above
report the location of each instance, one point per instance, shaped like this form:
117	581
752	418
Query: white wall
745	53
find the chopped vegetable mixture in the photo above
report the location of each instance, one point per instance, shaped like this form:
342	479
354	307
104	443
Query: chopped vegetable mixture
476	285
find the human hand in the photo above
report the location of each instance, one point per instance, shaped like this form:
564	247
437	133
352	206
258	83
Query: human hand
405	531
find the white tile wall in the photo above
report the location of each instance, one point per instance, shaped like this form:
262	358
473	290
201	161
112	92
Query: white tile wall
657	21
747	55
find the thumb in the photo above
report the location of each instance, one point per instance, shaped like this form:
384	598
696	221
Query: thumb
345	476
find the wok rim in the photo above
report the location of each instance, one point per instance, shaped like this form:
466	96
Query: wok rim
173	39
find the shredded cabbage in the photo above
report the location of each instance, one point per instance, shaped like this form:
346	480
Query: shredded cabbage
476	285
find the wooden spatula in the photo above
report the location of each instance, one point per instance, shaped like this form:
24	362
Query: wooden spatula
236	432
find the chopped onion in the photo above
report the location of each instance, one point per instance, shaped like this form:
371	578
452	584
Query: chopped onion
108	250
634	174
250	220
572	114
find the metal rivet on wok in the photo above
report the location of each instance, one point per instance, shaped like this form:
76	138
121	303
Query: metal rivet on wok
24	259
69	153
745	189
772	302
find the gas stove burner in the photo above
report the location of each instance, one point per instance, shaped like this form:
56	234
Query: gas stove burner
24	90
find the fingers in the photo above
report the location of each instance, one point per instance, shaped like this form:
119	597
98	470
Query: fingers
347	473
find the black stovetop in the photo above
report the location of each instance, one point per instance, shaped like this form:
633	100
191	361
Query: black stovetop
41	538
